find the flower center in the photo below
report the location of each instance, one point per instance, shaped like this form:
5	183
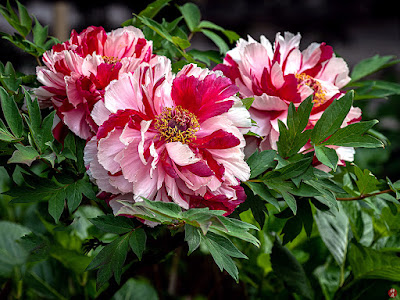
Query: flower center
110	60
319	92
177	125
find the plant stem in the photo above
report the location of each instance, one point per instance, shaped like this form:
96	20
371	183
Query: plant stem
173	277
38	61
254	180
364	196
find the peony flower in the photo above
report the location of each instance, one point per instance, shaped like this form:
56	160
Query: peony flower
77	72
171	139
277	76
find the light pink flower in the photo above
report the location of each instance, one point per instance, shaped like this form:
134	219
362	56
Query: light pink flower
77	72
276	76
171	139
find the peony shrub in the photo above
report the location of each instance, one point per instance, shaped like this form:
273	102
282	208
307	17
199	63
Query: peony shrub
130	146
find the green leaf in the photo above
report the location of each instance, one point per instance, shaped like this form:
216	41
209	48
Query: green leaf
259	162
57	203
69	150
332	118
74	193
181	43
11	113
191	14
205	56
153	8
37	246
12	253
298	120
24	18
192	237
375	264
113	224
292	137
71	259
170	209
136	289
261	190
334	231
257	206
22	23
8	136
388	243
137	241
110	260
158	28
291	170
222	46
329	279
23	155
220	255
247	102
9	78
327	156
231	35
366	181
210	25
291	230
369	66
283	188
394	187
46	129
42	191
225	244
236	228
35	118
290	271
353	135
40	34
369	89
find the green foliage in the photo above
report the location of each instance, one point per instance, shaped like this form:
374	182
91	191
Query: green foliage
290	271
292	138
332	118
12	254
136	289
22	23
371	65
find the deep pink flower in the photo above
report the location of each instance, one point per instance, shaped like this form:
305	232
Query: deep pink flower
276	76
77	72
171	139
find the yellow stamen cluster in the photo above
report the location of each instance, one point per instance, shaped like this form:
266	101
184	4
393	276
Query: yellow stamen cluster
177	125
319	92
110	60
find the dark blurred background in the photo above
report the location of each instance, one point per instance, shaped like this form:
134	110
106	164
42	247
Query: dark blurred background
356	29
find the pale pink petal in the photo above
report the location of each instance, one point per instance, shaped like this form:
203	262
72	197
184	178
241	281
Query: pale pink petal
181	154
100	113
109	147
335	71
277	76
123	93
76	122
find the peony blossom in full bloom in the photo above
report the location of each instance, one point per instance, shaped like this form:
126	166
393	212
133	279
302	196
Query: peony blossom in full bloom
77	72
170	139
276	76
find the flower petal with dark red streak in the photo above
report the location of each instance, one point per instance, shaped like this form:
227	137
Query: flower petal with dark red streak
217	140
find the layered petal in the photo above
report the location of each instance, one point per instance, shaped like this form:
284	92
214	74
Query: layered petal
284	74
172	139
